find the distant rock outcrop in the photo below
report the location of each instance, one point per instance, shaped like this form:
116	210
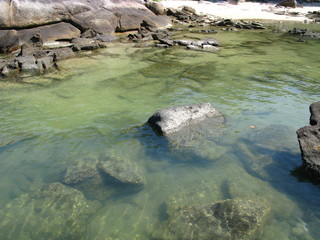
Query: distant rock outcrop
309	140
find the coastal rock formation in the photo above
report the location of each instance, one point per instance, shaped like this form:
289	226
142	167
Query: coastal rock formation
224	220
103	16
309	140
64	19
53	211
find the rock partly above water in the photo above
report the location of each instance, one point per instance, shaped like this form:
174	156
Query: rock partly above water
224	220
309	140
191	130
173	119
54	211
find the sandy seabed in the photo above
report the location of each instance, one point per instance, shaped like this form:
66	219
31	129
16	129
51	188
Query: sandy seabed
247	10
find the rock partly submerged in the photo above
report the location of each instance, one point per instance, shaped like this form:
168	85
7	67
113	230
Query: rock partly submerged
309	140
54	211
191	130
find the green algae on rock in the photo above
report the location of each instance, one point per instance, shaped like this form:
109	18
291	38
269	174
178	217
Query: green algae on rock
224	220
54	212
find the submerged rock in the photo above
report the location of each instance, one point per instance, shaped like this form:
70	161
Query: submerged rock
54	211
225	220
121	170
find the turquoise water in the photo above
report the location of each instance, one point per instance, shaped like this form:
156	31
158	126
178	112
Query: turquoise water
262	81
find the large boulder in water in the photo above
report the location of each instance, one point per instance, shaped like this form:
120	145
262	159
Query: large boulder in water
191	129
309	140
224	220
173	119
53	211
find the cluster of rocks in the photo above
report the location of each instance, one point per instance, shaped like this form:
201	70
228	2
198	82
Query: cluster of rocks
99	176
60	28
238	25
315	15
37	56
309	141
301	32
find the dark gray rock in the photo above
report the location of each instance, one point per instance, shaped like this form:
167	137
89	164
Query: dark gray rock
54	211
173	119
225	220
315	113
302	32
309	141
288	3
121	170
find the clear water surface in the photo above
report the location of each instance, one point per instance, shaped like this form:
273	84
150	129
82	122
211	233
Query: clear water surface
262	81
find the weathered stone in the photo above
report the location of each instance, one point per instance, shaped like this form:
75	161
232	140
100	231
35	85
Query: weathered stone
54	211
288	3
121	170
52	32
225	220
61	53
309	140
156	7
189	9
315	113
9	40
45	63
85	44
106	38
173	119
27	64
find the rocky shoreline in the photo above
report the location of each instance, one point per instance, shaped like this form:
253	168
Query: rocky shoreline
36	44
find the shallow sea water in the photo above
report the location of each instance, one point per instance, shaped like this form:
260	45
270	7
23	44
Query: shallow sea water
263	83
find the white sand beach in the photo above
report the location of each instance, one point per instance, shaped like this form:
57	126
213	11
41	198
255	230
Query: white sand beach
247	10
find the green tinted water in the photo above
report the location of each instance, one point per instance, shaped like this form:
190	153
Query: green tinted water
97	104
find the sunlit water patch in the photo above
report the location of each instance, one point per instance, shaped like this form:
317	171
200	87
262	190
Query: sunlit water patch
57	125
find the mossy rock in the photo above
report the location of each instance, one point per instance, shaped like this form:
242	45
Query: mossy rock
54	212
224	220
121	170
